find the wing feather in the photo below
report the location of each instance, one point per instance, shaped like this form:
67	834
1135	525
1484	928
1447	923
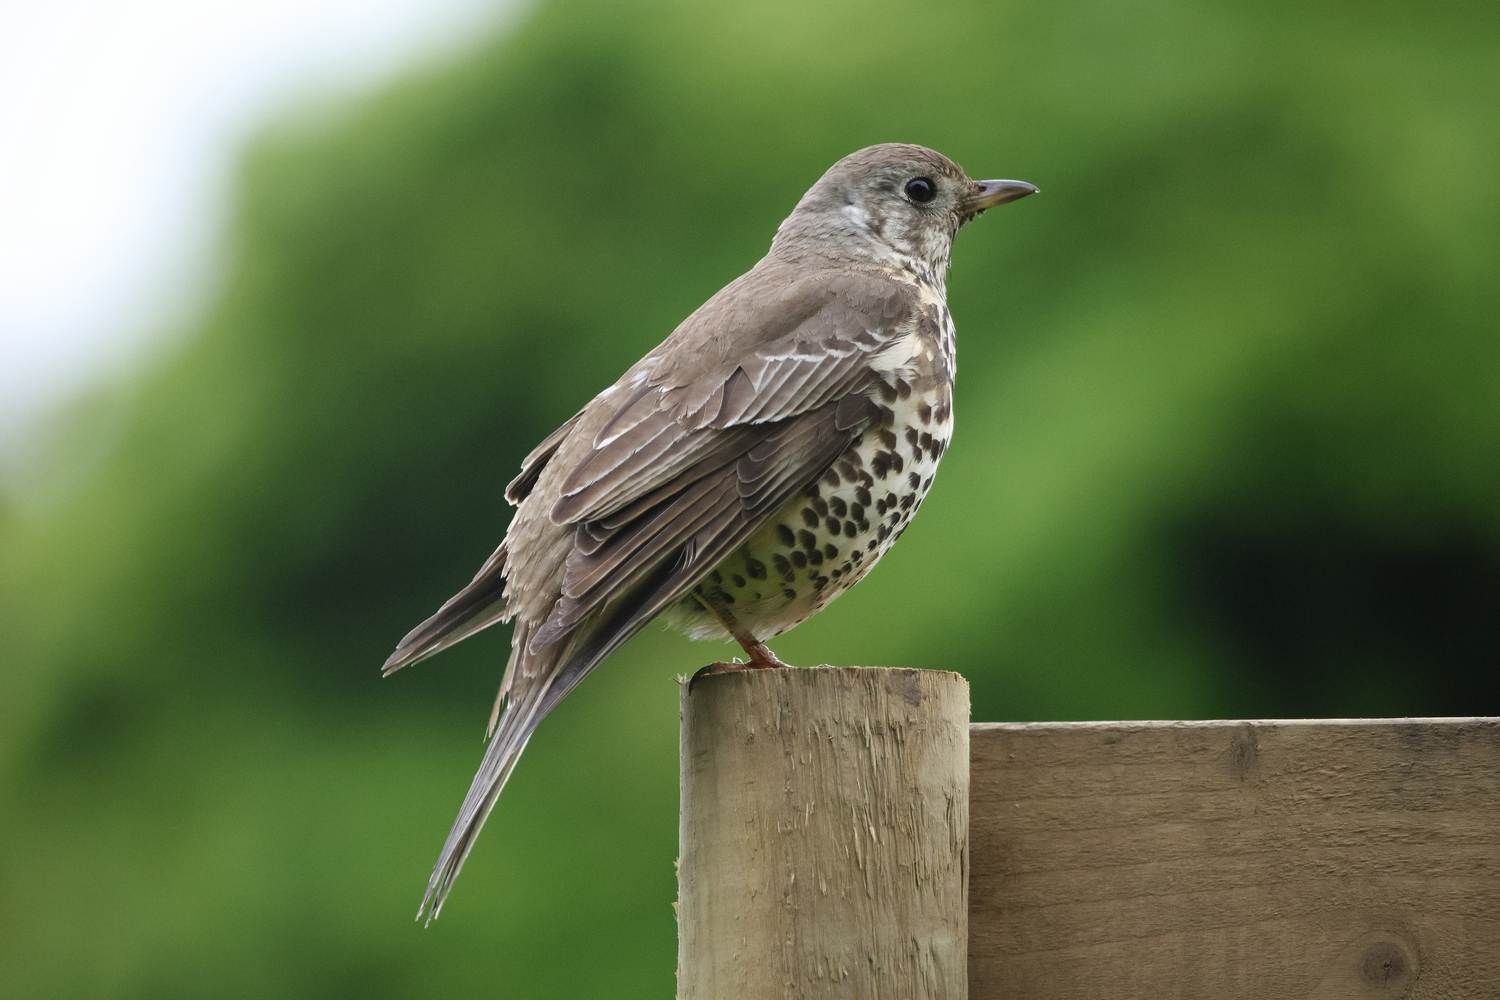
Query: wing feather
816	344
533	464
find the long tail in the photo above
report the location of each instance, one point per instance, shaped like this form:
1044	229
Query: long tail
528	677
537	677
536	680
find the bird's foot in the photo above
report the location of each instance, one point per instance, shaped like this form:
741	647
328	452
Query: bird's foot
761	658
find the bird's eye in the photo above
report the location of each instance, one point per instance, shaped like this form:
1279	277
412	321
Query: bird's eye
921	190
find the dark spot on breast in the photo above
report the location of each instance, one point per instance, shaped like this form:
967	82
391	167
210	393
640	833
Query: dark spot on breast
925	412
865	479
831	478
808	539
915	480
832	524
857	511
830	550
903	388
908	500
887	438
721	596
887	391
884	532
897	462
783	567
911	436
799	558
815	556
850	529
819	582
881	463
785	534
885	416
755	568
809	517
927	483
739	581
837	505
715	577
874	544
925	440
862	495
848	469
821	506
836	573
789	593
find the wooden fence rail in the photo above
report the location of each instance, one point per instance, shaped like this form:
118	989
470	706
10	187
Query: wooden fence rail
1318	860
829	851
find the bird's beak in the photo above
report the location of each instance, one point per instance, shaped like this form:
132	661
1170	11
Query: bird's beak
988	194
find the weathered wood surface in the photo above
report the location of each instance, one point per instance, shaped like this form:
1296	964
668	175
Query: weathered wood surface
824	836
1227	860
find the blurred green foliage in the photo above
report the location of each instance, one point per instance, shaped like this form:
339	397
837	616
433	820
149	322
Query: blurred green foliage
1228	441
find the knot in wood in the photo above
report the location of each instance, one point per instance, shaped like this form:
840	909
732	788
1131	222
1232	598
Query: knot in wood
1387	968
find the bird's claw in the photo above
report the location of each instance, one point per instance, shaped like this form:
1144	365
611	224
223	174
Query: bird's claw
722	667
736	665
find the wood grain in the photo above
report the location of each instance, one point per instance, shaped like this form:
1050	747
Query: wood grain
1269	860
824	836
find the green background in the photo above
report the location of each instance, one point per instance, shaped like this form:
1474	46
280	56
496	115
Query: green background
1228	445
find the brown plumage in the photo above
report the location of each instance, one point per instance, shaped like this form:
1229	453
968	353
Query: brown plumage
743	473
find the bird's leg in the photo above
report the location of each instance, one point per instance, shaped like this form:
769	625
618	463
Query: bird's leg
760	654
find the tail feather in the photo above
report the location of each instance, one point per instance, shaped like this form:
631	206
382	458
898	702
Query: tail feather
537	677
528	676
535	681
475	608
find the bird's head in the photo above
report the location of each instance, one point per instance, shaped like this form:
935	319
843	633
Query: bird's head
894	203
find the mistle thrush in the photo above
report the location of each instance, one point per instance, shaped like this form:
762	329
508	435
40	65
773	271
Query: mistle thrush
745	472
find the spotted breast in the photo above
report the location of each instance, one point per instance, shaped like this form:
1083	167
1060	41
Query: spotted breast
826	539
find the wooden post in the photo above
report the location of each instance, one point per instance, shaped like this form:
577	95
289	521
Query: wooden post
824	835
